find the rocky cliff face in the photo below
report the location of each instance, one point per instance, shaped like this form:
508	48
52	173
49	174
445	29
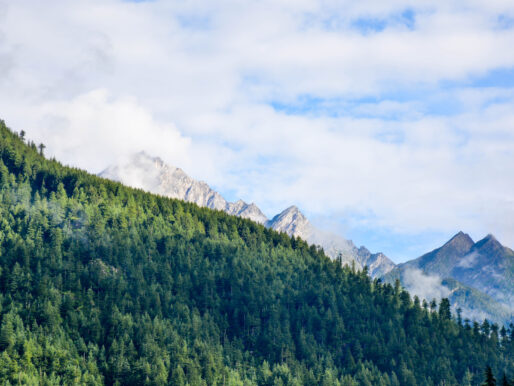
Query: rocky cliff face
152	174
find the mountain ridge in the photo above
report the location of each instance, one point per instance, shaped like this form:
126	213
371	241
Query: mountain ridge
485	266
154	175
452	262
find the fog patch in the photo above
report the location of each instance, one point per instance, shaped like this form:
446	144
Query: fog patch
138	171
469	260
423	285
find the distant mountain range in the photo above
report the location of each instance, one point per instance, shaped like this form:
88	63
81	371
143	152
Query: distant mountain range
477	277
153	175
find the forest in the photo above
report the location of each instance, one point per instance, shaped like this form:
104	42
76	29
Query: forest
104	284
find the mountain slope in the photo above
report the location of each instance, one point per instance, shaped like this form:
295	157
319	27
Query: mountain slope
484	271
443	260
153	175
104	284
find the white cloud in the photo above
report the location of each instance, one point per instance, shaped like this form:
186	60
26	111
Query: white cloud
469	260
425	286
94	128
192	82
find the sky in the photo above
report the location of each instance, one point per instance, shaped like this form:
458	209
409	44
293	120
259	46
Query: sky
390	123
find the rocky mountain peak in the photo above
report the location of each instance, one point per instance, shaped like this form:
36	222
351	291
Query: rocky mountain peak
486	267
378	264
153	174
489	245
491	239
250	211
293	222
459	244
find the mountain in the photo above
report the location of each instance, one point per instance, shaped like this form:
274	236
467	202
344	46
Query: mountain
153	175
378	264
485	265
292	222
476	276
475	304
105	284
443	260
484	271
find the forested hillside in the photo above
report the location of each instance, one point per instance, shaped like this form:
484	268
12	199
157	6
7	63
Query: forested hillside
103	284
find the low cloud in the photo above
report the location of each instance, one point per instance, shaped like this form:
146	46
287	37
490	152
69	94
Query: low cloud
469	260
424	286
96	129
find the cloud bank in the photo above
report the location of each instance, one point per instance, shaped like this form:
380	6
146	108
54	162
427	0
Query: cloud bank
390	118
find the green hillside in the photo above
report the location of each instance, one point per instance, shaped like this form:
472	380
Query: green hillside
103	284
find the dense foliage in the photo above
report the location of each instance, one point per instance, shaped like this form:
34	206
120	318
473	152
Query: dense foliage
100	283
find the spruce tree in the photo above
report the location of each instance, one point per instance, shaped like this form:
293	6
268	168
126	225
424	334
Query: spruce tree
444	309
489	377
6	334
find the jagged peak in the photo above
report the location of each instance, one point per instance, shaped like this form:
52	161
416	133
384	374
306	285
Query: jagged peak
461	236
460	240
292	209
363	250
253	206
490	237
489	240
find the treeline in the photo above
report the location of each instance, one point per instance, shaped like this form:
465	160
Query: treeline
104	284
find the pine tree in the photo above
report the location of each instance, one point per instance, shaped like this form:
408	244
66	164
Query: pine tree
6	333
489	377
178	377
467	379
444	309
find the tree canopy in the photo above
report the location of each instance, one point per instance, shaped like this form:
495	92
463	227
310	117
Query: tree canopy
105	284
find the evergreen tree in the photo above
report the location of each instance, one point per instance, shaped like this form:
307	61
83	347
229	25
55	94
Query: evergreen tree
489	377
444	309
104	284
6	333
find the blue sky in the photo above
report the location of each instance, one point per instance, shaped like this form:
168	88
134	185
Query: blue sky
390	123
